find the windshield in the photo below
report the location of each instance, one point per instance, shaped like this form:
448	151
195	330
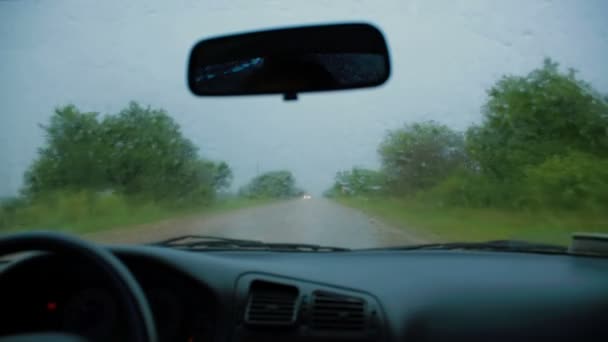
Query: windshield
492	126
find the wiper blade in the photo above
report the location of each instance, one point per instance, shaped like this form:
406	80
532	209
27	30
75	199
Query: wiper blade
193	240
205	242
496	245
305	247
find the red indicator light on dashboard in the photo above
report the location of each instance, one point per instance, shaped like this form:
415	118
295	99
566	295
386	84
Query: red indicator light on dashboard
51	306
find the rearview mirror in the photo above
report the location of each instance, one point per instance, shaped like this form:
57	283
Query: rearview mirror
290	61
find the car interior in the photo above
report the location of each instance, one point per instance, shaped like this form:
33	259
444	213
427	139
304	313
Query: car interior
58	287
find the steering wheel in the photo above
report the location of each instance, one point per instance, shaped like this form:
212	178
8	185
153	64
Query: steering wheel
128	292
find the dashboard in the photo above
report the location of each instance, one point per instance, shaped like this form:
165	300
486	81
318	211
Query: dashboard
51	293
318	296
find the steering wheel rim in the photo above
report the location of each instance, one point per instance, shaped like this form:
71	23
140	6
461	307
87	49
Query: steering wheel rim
130	294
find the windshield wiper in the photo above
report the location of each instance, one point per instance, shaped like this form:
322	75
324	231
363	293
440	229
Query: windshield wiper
205	242
497	245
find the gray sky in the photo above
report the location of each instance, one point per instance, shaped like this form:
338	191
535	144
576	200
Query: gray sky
100	55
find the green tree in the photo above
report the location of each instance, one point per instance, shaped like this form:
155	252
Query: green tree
70	157
273	184
531	118
146	152
138	152
357	181
222	177
420	155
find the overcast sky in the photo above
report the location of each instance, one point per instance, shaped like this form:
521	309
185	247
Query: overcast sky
99	55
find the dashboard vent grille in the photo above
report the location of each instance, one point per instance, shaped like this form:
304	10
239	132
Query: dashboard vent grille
337	312
271	304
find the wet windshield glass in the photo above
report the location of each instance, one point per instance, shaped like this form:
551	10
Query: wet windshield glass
493	126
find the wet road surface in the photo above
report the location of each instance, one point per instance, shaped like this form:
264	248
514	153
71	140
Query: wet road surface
314	221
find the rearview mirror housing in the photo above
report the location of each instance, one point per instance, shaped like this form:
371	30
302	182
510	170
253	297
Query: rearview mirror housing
290	61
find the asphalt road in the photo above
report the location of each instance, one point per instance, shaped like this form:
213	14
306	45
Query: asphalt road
315	221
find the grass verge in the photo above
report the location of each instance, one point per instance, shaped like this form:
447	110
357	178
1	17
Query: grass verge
480	224
81	213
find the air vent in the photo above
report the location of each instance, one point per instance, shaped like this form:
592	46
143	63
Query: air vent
336	312
271	304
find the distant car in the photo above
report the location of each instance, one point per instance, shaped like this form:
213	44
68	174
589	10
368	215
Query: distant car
306	197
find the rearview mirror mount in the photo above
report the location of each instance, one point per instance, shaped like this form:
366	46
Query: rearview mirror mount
290	61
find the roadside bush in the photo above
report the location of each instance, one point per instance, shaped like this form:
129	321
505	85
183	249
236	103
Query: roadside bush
273	184
52	209
108	204
82	210
139	152
8	208
357	181
420	155
468	189
73	207
572	181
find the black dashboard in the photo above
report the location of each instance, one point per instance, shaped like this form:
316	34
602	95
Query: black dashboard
322	296
51	293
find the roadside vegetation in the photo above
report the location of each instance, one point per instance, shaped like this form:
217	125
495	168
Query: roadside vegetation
273	184
85	212
97	172
536	167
